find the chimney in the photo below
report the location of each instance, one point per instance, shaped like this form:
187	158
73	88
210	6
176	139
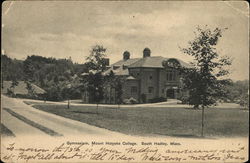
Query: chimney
126	55
146	52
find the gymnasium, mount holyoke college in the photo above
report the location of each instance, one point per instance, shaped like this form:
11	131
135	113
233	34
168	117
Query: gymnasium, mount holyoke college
146	79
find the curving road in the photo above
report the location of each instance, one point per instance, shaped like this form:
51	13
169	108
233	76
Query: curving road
23	119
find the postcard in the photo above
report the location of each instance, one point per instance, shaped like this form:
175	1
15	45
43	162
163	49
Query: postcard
125	81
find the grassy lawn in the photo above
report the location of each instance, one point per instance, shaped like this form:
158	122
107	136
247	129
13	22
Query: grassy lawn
163	121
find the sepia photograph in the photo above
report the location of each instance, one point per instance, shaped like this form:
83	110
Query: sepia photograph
125	81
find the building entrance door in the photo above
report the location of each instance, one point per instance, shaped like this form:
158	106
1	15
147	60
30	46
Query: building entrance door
170	93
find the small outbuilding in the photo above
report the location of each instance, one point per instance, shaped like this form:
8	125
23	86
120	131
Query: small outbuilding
20	89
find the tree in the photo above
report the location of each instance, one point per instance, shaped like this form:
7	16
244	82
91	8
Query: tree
93	82
14	83
11	69
115	82
118	90
30	89
205	79
238	92
96	59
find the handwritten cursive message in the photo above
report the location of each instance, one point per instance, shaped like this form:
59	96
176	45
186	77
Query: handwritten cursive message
128	151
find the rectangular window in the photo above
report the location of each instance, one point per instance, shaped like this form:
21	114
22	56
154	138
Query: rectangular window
174	76
171	76
133	89
150	89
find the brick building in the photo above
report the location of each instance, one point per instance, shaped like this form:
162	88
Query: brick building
145	78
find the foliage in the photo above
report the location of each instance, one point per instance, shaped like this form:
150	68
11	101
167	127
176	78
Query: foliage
131	100
244	100
95	87
157	99
50	74
93	81
238	92
143	98
11	69
184	99
115	82
235	90
96	59
30	89
10	92
14	83
204	80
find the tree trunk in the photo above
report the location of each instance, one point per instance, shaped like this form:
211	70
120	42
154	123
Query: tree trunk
97	108
118	106
202	122
68	103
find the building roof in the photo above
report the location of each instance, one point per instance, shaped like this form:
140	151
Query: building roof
118	71
154	62
151	62
21	88
121	67
126	62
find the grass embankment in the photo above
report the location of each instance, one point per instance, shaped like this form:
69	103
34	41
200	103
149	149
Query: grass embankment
5	131
32	123
162	121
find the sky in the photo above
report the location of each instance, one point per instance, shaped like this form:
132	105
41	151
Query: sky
64	29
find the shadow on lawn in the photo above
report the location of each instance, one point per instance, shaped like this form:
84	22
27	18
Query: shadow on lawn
84	112
186	136
191	136
5	131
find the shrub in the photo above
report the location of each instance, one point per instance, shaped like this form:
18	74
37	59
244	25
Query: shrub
131	100
244	101
10	93
184	99
157	99
143	98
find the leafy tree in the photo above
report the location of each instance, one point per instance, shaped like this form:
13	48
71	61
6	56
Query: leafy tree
119	91
11	69
93	82
96	59
238	92
115	82
14	83
237	89
204	80
11	91
50	74
30	89
244	100
29	70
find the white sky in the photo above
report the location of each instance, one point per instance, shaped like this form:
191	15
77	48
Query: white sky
63	29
